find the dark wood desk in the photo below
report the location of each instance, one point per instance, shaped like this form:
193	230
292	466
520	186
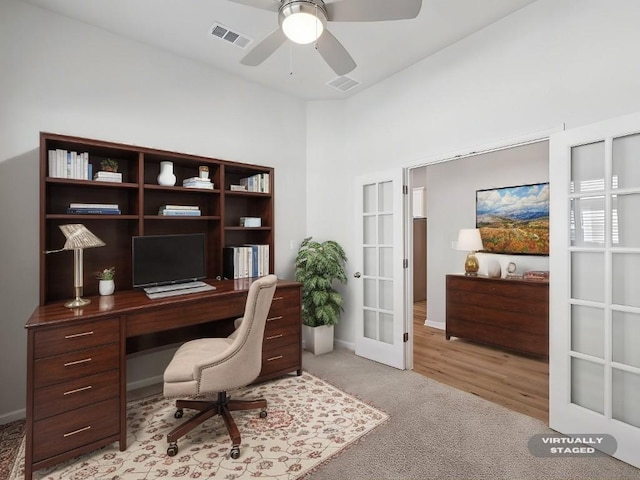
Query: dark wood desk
76	365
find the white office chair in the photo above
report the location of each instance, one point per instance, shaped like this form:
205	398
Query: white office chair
220	364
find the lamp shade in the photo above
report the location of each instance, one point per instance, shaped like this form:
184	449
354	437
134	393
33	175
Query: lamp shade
469	240
79	237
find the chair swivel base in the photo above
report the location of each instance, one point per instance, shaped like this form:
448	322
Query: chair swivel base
223	406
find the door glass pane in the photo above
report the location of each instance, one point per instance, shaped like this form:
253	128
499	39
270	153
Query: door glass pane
626	397
369	326
386	229
385	197
587	168
587	221
626	279
587	276
587	384
369	198
386	295
369	255
369	231
625	341
625	231
386	328
386	262
625	165
369	293
587	330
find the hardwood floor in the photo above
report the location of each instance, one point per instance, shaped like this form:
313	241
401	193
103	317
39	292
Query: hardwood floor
517	382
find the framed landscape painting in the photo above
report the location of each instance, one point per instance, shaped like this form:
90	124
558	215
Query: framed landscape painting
514	220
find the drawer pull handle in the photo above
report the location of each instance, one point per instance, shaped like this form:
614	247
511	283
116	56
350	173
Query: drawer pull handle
84	360
275	336
80	430
277	298
274	358
274	318
75	335
89	387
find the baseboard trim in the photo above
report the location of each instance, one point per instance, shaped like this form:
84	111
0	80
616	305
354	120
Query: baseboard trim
439	325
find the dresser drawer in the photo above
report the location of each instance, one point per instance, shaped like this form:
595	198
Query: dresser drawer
71	395
283	358
285	301
70	430
77	336
75	365
281	334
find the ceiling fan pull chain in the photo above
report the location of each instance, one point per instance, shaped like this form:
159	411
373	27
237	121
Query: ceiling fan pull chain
315	43
290	60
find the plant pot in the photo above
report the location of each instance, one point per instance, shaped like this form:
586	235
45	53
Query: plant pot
106	287
318	340
166	177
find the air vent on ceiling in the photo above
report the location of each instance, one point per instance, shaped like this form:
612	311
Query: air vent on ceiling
225	33
343	83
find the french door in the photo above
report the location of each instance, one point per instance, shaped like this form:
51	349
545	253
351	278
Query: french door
380	281
594	323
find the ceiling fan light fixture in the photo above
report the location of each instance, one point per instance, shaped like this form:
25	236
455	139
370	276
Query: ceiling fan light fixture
303	21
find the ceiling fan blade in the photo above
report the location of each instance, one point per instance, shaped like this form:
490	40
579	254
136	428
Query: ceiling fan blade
372	10
266	47
271	5
335	54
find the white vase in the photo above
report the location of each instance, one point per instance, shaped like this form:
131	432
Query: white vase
318	340
166	177
106	287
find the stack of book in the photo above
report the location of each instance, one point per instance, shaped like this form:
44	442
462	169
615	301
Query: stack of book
103	176
197	182
67	164
256	183
538	275
94	209
245	261
179	210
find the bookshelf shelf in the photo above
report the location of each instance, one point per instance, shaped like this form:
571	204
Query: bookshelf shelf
139	197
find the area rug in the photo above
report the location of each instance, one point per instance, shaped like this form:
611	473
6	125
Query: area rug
308	422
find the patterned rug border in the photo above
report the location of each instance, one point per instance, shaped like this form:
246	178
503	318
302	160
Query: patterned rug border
154	398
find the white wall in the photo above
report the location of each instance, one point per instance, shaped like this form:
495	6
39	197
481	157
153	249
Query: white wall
552	62
62	76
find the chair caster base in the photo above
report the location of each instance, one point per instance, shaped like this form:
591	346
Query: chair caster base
235	452
172	450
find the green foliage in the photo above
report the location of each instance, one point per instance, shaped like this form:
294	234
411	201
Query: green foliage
318	265
106	274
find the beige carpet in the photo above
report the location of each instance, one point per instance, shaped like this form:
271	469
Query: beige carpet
309	421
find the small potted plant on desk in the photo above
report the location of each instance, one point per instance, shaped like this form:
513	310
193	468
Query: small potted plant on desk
107	285
317	266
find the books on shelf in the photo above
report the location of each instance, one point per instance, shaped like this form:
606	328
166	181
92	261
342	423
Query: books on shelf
245	261
179	211
238	188
250	221
256	183
68	164
103	176
197	182
539	275
94	209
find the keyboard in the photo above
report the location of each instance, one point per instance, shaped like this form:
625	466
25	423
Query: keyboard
163	292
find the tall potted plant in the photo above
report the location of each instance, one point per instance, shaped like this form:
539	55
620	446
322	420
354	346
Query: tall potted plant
318	266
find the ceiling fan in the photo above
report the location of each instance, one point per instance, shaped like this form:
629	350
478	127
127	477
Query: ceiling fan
305	21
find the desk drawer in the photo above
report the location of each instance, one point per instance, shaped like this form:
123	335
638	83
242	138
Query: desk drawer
284	358
70	430
285	301
63	397
281	335
74	365
77	336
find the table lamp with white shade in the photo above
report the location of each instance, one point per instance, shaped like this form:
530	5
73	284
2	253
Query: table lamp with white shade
470	241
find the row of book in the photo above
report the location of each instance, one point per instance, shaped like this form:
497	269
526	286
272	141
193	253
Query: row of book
179	211
256	183
94	209
67	164
245	261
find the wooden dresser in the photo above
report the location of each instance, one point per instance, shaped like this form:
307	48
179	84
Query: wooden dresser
512	314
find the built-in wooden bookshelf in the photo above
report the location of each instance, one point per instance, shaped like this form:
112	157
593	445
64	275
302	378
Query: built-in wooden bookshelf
139	197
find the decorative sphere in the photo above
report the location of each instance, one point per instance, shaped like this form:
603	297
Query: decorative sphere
494	270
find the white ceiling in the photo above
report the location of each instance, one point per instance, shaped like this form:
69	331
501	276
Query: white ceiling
380	49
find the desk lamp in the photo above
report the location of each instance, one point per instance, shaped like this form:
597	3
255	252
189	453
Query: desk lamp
78	238
469	240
